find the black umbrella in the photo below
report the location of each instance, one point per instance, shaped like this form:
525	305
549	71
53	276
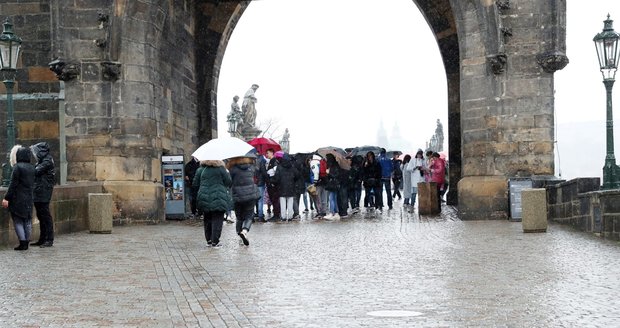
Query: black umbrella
363	150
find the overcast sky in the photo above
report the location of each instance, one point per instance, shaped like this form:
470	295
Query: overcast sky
339	76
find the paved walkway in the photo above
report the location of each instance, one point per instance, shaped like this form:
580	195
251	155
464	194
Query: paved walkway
421	272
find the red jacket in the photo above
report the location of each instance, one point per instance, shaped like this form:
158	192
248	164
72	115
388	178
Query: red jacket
438	171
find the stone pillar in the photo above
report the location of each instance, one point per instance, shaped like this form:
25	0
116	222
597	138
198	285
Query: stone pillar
427	198
100	213
534	203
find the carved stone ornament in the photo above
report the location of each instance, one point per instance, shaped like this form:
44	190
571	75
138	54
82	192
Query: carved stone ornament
111	71
503	4
506	32
552	61
498	63
64	71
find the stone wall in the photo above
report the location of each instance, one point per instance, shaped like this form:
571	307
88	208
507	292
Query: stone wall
506	97
69	208
36	91
580	203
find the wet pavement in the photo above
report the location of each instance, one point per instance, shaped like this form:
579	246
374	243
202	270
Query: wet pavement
394	269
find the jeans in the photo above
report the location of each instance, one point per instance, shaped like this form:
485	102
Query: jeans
274	195
296	205
323	196
213	226
373	197
343	203
245	215
23	227
261	202
46	222
286	207
387	183
355	194
305	195
333	202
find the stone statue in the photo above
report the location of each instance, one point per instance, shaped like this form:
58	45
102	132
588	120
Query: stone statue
235	116
249	106
284	142
439	135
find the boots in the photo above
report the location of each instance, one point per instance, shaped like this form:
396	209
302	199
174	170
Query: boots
38	243
23	245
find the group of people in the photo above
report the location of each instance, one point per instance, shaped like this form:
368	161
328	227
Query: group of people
31	185
280	181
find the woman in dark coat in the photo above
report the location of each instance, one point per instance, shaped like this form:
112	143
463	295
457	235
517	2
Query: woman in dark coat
244	193
44	180
334	183
214	198
371	178
18	198
286	178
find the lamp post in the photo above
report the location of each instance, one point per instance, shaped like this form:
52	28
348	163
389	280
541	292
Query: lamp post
232	126
9	52
607	50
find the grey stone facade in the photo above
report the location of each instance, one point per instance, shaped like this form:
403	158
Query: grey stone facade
140	80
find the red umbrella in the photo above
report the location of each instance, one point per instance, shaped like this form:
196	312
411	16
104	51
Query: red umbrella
262	144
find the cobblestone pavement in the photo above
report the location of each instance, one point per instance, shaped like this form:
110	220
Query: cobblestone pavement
444	272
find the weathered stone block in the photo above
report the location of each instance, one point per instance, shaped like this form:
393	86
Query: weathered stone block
137	200
38	129
120	168
100	213
41	74
534	202
483	197
427	198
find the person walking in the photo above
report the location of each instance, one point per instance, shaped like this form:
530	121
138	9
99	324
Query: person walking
245	193
18	198
272	189
417	168
333	186
355	183
260	176
286	178
190	172
438	174
397	176
387	168
214	198
371	177
44	180
406	179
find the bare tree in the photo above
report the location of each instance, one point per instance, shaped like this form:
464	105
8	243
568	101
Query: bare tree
271	128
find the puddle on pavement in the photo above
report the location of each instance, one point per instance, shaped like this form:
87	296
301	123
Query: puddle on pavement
394	313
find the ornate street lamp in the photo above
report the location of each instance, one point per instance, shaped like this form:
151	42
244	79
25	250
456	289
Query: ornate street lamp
607	50
232	126
9	52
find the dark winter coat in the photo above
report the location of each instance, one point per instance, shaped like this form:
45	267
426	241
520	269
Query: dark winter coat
196	181
300	184
243	187
286	177
371	174
190	171
398	172
21	187
45	177
214	192
260	173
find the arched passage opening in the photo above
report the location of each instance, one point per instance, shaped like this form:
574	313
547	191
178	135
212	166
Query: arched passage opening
499	61
439	17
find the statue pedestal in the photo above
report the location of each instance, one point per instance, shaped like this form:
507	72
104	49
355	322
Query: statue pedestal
249	132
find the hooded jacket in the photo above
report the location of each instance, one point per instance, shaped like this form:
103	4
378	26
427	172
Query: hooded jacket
19	193
285	178
44	179
242	172
214	191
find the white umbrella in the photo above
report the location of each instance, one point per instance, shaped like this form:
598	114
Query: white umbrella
222	148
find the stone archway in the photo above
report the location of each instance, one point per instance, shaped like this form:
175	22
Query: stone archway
140	80
499	62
